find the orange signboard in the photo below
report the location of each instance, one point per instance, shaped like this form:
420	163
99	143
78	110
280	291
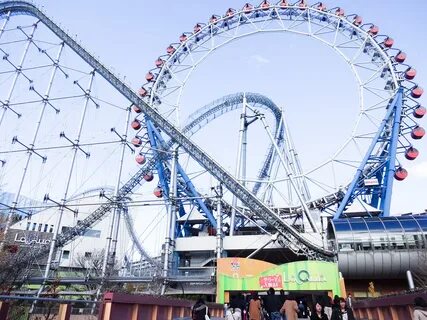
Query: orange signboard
241	274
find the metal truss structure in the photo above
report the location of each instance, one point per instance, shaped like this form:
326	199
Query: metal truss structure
48	78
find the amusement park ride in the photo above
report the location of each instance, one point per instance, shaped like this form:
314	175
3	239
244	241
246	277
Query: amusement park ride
61	134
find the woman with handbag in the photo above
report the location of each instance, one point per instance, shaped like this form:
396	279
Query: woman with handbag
200	310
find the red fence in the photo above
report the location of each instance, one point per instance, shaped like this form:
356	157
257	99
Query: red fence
388	307
118	306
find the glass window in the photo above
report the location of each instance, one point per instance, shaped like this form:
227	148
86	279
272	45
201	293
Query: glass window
392	225
88	233
40	227
342	225
65	254
410	238
51	228
362	240
410	225
397	241
93	233
45	227
346	247
423	222
88	254
34	227
375	225
28	225
359	226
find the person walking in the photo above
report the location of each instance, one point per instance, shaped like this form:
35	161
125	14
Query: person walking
271	305
342	312
350	301
199	310
318	313
336	302
237	305
290	309
255	307
282	299
326	302
420	309
302	310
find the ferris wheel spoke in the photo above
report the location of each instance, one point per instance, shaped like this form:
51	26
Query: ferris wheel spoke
326	29
297	21
280	20
348	44
374	120
323	186
350	163
360	50
377	105
376	92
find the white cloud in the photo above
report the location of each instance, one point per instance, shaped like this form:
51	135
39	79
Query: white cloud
259	59
419	170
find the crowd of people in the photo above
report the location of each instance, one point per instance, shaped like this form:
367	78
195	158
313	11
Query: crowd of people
279	307
286	307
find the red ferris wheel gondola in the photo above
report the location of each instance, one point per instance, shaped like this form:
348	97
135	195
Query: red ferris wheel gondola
419	112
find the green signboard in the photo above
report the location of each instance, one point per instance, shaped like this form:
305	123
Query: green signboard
242	275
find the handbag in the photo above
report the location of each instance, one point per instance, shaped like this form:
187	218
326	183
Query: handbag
206	315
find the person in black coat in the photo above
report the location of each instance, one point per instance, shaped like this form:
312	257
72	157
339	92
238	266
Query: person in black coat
199	309
318	313
343	312
272	305
336	302
237	306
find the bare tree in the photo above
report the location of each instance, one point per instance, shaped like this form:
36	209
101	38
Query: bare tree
48	309
92	267
14	266
91	263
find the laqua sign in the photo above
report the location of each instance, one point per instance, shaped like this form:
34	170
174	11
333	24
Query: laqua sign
28	238
240	274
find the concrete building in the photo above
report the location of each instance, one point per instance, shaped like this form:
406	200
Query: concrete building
38	230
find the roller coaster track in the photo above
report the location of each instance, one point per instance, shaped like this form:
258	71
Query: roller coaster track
295	241
135	240
231	102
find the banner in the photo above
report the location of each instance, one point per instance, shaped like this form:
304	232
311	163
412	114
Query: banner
241	274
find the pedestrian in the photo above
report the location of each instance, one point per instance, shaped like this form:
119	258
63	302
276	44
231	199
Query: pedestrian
237	305
349	301
255	307
200	310
272	305
318	313
343	312
302	310
420	310
336	302
282	299
290	309
326	301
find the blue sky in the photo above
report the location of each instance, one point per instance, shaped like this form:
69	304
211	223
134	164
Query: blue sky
130	35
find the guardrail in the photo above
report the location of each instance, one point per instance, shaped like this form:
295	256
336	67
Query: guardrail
147	307
393	307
